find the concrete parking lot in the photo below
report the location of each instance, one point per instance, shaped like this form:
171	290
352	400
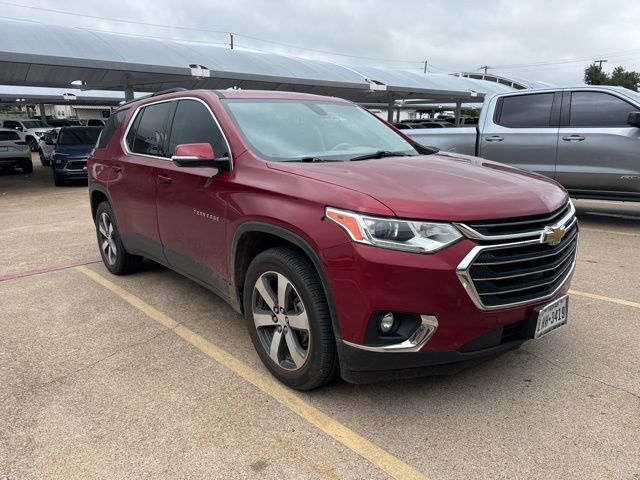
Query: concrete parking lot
152	376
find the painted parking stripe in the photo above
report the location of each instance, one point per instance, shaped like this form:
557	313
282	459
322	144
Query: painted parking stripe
377	456
50	268
604	298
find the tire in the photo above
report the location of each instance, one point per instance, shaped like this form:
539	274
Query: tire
27	166
58	180
304	358
33	145
43	161
117	260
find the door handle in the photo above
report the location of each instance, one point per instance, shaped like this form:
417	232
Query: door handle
573	138
164	178
494	138
117	168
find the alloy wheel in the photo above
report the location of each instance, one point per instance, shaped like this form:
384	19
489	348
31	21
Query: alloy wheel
281	320
107	242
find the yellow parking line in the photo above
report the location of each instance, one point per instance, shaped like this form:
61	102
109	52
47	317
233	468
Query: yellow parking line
619	301
629	234
377	456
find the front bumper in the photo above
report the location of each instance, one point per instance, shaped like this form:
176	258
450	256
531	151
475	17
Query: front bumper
78	172
366	279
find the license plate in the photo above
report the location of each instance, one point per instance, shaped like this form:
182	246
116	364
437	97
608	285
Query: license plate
552	316
4	149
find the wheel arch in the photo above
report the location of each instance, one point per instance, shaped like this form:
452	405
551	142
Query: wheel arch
98	195
245	247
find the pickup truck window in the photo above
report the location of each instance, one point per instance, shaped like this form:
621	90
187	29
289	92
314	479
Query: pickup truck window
284	130
524	111
597	109
148	132
193	123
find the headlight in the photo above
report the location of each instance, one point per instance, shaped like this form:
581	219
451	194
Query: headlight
405	235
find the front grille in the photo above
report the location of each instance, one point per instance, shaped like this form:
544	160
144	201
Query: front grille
76	164
522	271
522	225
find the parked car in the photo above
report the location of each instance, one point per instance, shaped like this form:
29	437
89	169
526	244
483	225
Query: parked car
586	138
95	122
29	130
62	122
46	145
14	152
348	247
71	149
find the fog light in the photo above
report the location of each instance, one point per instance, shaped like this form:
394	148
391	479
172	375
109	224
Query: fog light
386	322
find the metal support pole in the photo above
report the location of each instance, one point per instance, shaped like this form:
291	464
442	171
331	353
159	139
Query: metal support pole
390	108
128	93
458	111
43	112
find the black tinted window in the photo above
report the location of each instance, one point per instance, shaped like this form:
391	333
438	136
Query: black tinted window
7	136
193	123
109	129
595	109
525	111
79	136
149	135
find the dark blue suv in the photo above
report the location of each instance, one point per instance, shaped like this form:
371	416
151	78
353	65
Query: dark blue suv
72	147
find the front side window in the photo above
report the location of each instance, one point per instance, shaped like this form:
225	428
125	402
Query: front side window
193	123
597	109
525	111
282	130
147	135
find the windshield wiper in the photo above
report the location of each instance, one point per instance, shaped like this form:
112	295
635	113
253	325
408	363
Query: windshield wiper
311	160
379	154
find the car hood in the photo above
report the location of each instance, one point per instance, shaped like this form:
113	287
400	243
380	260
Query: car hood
442	186
74	151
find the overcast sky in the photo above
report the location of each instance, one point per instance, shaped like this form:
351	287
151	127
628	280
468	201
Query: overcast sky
560	37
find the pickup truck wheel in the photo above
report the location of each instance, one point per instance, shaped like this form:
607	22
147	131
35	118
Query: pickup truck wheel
288	319
33	145
113	254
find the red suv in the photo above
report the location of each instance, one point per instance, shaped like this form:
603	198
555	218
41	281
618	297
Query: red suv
350	249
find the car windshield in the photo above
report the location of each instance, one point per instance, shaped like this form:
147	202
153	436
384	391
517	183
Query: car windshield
285	130
34	124
79	136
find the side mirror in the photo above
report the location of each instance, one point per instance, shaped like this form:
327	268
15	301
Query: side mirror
20	129
48	140
199	155
634	119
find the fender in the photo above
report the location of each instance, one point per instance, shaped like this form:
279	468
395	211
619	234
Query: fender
96	187
254	226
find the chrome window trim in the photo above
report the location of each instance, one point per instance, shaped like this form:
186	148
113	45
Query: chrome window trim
414	343
475	235
123	140
467	283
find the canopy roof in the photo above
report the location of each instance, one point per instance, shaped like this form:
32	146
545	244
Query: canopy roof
34	54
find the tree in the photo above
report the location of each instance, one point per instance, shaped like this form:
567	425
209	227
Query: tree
595	75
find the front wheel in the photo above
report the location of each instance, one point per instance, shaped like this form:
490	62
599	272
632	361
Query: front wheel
117	260
289	320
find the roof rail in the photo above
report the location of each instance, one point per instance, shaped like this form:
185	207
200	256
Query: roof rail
154	94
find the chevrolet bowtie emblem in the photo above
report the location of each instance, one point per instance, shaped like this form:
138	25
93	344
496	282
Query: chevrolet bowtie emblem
552	235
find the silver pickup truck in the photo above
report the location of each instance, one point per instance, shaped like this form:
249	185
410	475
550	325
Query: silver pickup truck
586	138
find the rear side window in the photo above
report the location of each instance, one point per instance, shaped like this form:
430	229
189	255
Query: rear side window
11	124
193	123
8	136
109	129
147	135
596	109
525	111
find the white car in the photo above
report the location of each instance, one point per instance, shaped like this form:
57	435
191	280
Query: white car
29	130
14	152
46	145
